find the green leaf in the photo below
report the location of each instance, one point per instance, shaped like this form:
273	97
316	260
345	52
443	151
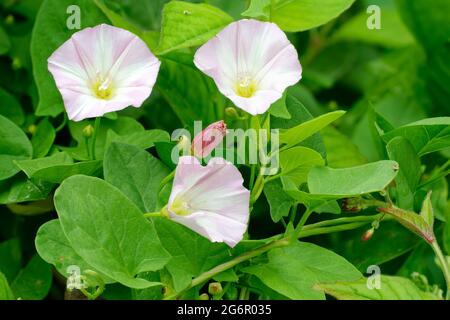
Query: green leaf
34	281
58	173
123	126
392	288
10	258
5	290
294	136
426	136
58	167
368	178
400	150
136	173
300	15
297	162
117	240
341	151
189	105
258	9
187	24
20	189
14	145
53	246
143	139
295	270
5	43
279	108
191	253
299	114
43	139
31	167
11	108
412	221
50	32
149	37
428	23
280	203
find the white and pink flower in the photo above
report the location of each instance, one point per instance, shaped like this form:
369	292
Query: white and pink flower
251	62
211	200
103	69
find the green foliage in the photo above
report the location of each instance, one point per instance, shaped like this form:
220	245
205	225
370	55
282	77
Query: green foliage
392	288
295	270
124	246
354	181
14	145
93	194
186	24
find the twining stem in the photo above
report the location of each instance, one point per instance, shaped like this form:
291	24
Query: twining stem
306	231
230	264
94	136
443	265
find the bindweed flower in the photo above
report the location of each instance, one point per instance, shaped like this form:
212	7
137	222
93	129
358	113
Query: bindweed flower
103	69
210	200
205	142
251	62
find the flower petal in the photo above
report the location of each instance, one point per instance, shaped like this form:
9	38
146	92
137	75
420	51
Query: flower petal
217	197
259	50
215	227
103	52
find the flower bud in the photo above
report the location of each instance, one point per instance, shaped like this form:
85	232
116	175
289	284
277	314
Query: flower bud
88	131
215	288
32	128
232	113
204	296
205	142
9	20
368	234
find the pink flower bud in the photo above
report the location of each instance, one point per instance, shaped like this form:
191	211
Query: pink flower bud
205	142
368	234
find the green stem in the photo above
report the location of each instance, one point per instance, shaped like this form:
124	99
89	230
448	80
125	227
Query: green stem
443	265
63	124
166	180
325	230
339	221
252	176
94	136
153	214
243	295
230	264
88	149
257	189
301	223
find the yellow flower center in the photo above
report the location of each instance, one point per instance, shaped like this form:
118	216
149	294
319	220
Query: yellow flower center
245	86
180	207
103	88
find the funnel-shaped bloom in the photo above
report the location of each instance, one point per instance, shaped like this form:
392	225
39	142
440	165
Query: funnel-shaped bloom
210	200
252	63
205	142
103	69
